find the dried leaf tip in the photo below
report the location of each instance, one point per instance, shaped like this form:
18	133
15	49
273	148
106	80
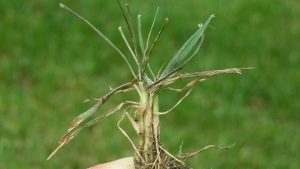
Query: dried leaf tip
239	70
248	68
86	100
54	152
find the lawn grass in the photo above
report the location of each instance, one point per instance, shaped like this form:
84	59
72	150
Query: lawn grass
50	62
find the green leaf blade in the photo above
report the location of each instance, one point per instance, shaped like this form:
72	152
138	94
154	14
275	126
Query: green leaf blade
141	35
183	54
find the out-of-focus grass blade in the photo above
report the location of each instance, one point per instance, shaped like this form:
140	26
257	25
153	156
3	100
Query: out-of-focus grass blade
183	54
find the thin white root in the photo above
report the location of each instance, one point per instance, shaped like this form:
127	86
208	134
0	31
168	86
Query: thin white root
126	135
136	127
177	159
189	155
153	165
166	112
157	144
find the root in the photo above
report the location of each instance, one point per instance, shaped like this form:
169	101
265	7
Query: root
168	111
169	154
168	161
190	155
126	135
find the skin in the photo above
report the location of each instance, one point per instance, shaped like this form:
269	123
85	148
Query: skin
124	163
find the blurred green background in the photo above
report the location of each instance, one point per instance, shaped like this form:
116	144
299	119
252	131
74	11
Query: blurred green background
50	62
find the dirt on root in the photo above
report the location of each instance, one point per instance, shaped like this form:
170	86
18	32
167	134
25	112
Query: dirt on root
167	162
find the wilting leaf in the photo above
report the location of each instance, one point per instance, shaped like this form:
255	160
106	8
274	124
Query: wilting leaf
84	116
65	140
100	102
211	73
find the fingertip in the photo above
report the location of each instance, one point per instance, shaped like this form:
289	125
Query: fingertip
124	163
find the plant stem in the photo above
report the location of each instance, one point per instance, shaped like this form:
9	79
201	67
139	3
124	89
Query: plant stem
149	139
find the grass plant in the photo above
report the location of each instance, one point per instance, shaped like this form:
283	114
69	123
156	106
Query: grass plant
144	114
